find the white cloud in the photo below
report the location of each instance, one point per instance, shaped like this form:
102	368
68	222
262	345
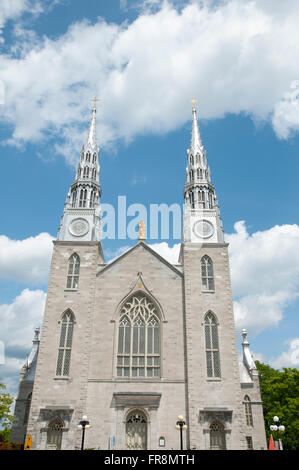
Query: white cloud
27	260
14	9
265	274
289	358
286	112
18	321
171	254
226	54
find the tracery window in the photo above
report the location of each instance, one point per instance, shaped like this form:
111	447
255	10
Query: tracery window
65	344
138	352
73	272
212	346
207	274
248	411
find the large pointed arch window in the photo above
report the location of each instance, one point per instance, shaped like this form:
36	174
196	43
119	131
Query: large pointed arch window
65	344
207	274
212	346
73	272
138	353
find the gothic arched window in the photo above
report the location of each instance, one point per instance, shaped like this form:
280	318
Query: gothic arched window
212	345
248	411
73	272
207	274
65	344
138	353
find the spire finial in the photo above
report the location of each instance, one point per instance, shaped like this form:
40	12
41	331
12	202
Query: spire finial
195	136
95	99
193	101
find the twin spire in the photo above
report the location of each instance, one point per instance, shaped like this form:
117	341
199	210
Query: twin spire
91	140
196	144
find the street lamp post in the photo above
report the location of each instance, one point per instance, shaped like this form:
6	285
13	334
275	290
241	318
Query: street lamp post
84	424
276	428
180	426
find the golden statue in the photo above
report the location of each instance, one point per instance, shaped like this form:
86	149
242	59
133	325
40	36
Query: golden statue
141	230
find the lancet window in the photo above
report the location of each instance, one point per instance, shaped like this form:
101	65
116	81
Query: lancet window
73	272
248	411
83	198
212	346
65	344
207	274
139	336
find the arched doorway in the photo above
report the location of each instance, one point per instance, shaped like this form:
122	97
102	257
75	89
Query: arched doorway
217	436
136	431
54	434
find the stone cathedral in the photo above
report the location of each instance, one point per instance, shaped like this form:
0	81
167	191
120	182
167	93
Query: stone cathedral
135	342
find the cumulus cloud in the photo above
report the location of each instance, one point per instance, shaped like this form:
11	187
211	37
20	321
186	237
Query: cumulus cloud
18	321
224	53
14	9
27	260
265	274
171	254
289	358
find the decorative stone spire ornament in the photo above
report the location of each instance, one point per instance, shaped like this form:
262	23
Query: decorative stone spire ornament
247	356
202	220
82	212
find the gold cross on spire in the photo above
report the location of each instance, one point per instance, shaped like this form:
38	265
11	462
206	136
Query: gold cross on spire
95	99
193	101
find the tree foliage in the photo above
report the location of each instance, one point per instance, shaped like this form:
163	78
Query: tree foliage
6	417
279	392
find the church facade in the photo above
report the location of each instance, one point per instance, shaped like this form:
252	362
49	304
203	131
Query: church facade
135	342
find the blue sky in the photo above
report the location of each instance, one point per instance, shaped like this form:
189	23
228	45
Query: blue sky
145	60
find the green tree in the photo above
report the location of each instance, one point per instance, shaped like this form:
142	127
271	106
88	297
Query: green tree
279	392
6	417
